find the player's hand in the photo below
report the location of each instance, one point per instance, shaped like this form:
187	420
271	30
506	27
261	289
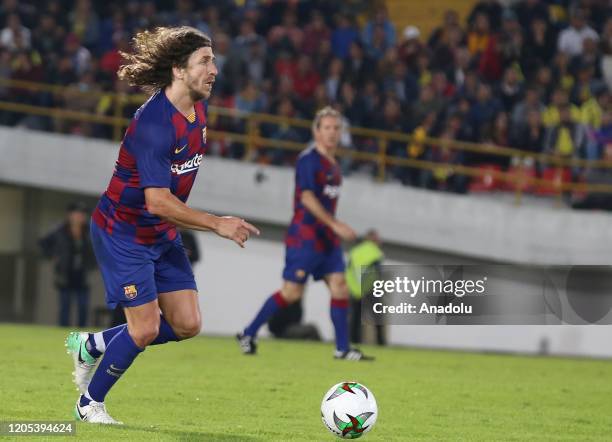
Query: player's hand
344	231
236	229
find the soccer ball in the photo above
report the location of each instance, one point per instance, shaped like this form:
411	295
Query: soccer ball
349	410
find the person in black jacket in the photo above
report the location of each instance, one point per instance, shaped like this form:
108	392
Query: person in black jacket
69	247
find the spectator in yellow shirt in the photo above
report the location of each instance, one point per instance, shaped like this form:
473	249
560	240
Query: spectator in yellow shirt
559	99
478	37
567	138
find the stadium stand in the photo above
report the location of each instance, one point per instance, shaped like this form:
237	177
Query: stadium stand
531	75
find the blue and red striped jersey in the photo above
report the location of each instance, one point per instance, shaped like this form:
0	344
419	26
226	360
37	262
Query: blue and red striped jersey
323	177
161	148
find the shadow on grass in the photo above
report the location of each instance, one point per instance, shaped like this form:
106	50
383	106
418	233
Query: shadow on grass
182	435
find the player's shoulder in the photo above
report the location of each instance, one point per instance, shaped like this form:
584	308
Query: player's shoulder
154	110
308	155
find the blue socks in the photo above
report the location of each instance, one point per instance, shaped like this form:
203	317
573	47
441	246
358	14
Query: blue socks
119	352
118	357
339	317
97	342
273	304
166	334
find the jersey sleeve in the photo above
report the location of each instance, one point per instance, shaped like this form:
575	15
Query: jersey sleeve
305	174
151	146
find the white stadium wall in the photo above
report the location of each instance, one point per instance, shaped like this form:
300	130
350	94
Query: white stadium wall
462	225
234	282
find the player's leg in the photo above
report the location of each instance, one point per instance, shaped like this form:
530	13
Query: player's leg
331	269
289	293
180	307
339	309
167	269
178	294
297	269
128	273
143	327
87	348
181	313
339	315
93	345
172	273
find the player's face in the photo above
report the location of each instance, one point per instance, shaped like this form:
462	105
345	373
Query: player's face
328	133
200	74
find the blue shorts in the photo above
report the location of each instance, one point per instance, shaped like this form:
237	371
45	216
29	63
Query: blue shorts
134	274
300	263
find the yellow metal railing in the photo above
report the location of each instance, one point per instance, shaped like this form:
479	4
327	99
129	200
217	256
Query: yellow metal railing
253	141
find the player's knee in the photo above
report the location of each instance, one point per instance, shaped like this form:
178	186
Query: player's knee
291	294
340	291
188	328
145	334
340	296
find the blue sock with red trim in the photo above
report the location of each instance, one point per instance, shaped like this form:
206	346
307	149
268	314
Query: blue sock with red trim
273	304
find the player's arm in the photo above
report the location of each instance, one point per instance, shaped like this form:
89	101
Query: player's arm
314	206
151	147
162	203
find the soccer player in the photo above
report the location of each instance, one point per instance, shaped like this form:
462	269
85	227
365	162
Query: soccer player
134	226
313	238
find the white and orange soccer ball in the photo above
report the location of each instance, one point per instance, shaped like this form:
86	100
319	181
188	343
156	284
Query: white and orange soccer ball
349	410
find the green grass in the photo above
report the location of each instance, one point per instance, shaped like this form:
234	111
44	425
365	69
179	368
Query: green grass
204	389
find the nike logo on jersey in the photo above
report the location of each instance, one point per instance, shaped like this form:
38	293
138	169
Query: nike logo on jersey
177	150
188	166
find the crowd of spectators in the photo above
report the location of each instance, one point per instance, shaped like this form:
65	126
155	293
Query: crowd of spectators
535	75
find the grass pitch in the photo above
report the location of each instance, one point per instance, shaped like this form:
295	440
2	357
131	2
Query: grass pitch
204	389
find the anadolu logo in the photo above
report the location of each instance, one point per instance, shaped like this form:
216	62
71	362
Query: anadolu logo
188	166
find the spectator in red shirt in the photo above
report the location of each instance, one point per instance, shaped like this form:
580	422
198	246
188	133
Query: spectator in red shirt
112	59
315	33
305	78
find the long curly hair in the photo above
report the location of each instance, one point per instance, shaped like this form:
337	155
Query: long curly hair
156	52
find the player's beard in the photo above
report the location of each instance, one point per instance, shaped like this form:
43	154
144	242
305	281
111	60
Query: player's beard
196	94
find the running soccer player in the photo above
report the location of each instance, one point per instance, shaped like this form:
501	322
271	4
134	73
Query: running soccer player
313	238
134	226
